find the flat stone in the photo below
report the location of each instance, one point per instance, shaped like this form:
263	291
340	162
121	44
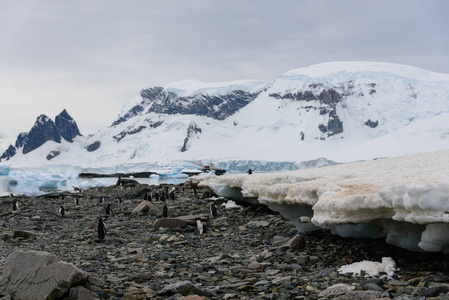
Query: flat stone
183	287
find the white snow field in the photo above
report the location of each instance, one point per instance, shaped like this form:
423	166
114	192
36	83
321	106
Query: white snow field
404	199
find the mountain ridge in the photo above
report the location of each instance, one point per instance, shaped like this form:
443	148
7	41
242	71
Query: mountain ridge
303	115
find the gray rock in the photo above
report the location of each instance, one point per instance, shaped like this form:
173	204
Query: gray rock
297	242
183	287
38	275
146	207
23	233
435	291
81	293
359	295
5	236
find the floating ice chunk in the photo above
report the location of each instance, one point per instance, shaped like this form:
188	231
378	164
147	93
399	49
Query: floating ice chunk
96	182
4	169
48	185
371	268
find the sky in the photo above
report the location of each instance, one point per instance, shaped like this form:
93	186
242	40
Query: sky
92	57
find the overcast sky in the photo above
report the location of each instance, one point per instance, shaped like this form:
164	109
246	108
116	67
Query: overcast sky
91	57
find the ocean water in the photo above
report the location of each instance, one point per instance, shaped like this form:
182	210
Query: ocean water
10	185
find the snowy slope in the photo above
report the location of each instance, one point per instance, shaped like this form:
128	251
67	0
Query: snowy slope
343	111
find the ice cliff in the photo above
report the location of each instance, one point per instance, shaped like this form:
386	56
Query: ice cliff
402	199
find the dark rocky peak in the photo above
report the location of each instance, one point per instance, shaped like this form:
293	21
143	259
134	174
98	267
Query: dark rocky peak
44	130
10	152
218	107
21	139
66	126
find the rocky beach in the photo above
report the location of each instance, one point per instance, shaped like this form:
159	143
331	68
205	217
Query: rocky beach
245	253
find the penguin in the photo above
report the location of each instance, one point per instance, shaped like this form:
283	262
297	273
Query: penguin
62	211
156	196
165	211
76	200
15	206
200	226
119	200
145	196
149	198
101	230
62	197
162	198
250	172
108	210
172	195
101	200
11	195
213	211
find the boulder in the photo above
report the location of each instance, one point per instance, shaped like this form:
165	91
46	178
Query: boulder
146	207
38	275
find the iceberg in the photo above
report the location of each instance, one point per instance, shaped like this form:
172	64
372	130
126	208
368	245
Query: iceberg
404	200
4	170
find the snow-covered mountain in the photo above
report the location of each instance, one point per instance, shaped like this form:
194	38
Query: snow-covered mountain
44	130
343	111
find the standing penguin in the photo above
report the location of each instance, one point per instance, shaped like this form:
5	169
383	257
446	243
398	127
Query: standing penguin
156	196
11	195
62	196
145	196
149	198
101	230
15	206
165	212
213	211
76	200
119	200
62	211
101	200
172	195
200	226
162	197
108	209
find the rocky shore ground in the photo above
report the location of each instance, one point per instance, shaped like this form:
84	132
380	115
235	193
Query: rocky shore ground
241	256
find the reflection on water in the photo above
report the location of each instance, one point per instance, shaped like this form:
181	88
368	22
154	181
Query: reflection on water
35	188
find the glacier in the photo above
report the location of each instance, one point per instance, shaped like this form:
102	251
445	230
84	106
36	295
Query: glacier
403	199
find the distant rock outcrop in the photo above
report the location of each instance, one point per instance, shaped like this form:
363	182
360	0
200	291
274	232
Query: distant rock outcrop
218	107
66	126
44	130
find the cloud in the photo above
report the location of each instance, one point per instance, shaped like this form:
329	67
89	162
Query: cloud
96	57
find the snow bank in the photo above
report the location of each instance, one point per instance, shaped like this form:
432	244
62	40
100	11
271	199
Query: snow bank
370	268
402	199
